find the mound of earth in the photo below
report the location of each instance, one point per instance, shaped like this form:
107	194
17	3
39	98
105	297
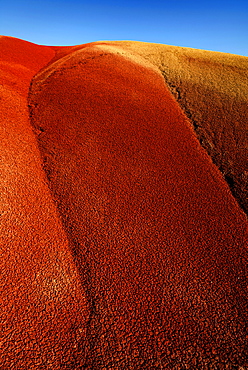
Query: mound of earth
122	245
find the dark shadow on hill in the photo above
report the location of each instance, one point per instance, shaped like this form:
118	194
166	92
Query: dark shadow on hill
219	123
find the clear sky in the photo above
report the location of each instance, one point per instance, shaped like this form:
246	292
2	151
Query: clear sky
211	25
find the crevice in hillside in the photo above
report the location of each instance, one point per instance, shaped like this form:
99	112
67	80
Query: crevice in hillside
235	178
84	345
178	95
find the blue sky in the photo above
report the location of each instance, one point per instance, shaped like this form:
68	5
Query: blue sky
210	25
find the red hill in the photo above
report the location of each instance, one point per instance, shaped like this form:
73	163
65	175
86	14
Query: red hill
125	248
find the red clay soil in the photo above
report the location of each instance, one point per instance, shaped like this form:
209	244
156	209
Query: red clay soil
121	244
43	307
158	240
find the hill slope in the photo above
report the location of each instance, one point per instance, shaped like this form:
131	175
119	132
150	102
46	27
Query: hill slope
42	298
212	90
144	248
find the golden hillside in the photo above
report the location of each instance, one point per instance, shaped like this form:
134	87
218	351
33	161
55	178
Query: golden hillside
212	89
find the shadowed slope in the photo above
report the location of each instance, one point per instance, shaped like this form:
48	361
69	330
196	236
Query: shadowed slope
212	89
157	235
43	307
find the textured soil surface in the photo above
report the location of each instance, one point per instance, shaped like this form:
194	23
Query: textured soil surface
43	304
122	245
212	89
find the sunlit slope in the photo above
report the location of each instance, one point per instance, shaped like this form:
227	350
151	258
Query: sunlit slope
159	240
41	294
212	89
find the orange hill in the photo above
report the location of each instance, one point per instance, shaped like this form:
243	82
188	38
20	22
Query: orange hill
122	245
